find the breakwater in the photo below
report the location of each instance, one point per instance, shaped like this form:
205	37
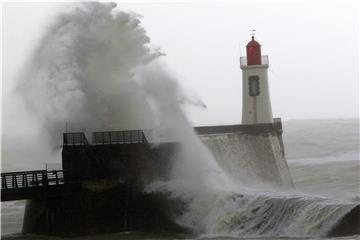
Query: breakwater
252	154
111	176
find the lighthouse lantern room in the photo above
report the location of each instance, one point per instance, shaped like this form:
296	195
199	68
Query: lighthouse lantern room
256	97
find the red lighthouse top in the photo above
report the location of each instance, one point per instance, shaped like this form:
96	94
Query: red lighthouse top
253	52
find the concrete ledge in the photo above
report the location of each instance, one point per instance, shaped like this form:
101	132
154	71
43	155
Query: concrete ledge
252	129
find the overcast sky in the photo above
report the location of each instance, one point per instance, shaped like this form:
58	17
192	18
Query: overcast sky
312	46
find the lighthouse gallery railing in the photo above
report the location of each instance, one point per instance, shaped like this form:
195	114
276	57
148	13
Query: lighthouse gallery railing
264	61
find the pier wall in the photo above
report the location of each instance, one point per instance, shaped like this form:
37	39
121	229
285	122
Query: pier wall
252	154
108	195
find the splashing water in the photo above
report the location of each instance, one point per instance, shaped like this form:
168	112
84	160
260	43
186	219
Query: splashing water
95	65
82	70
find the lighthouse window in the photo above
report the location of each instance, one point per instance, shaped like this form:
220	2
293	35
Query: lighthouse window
254	86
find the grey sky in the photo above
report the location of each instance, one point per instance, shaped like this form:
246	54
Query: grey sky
312	46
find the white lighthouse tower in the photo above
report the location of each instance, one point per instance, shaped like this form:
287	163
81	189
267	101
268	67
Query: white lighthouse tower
256	99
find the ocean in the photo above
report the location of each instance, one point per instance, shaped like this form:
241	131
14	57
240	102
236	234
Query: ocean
323	157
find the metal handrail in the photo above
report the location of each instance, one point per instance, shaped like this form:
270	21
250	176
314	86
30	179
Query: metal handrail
28	179
119	137
74	138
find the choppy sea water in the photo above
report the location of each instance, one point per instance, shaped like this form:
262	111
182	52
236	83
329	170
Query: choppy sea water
318	170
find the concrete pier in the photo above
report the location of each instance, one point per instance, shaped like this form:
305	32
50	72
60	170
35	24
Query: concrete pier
108	179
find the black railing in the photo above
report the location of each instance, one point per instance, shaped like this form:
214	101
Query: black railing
74	138
28	179
119	137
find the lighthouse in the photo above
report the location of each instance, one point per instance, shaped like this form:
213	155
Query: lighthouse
256	97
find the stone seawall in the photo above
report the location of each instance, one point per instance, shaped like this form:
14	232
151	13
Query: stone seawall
253	154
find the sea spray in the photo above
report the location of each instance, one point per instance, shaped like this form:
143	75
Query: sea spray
82	70
196	176
90	67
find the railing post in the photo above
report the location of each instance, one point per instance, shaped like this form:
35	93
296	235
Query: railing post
4	183
17	180
44	179
33	179
36	179
56	178
26	180
23	181
64	177
143	138
15	184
